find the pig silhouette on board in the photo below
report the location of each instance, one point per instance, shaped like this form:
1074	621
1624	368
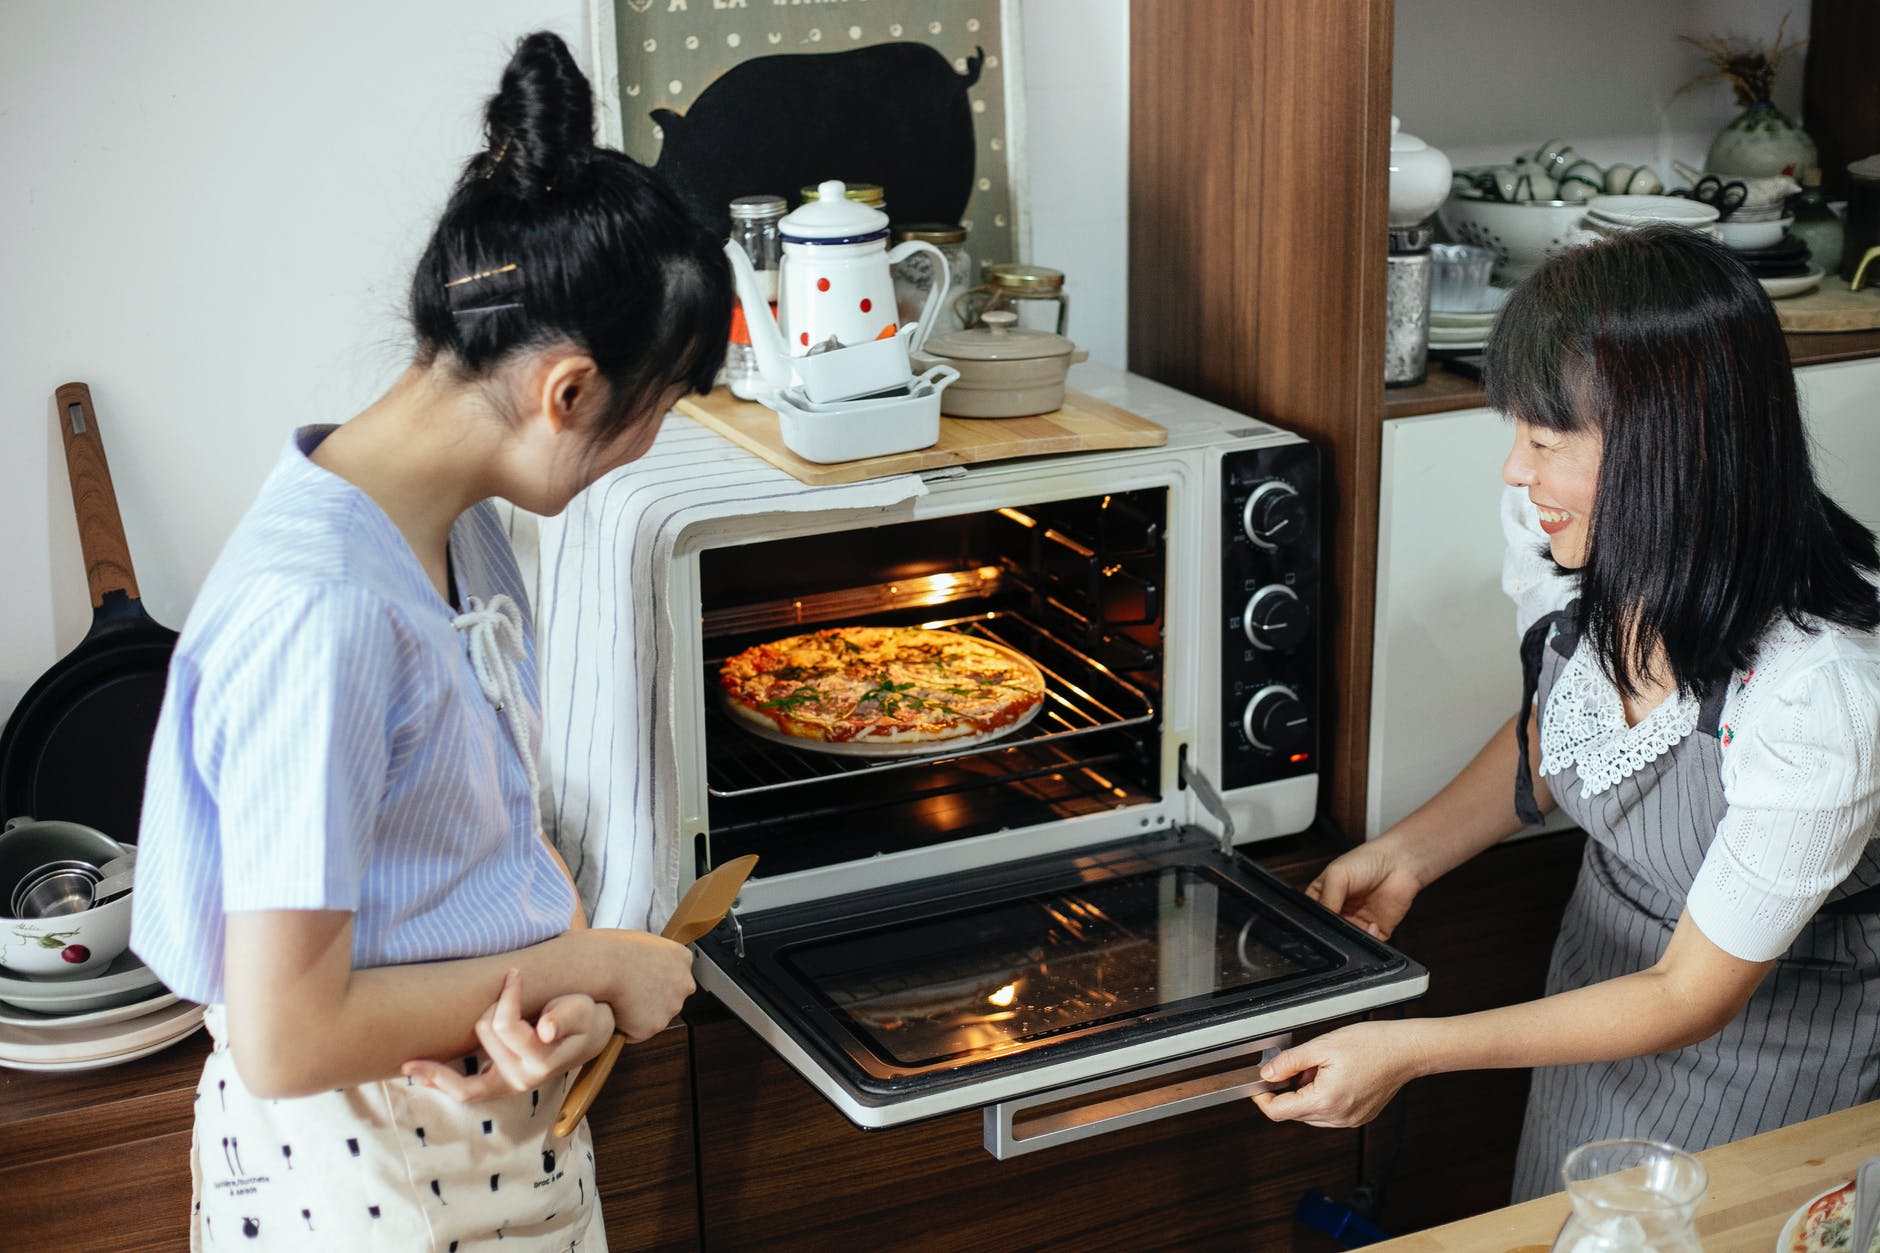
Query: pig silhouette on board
895	114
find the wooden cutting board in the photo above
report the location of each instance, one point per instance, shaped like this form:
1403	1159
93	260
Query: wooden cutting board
1831	307
1083	424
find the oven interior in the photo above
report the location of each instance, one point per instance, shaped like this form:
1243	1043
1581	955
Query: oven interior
1076	585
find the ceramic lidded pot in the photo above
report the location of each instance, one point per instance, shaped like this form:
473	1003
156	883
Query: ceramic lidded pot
1005	370
1419	179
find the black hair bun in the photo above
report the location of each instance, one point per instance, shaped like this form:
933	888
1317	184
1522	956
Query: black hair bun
540	123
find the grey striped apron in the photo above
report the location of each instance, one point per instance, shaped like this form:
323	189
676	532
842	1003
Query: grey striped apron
1808	1042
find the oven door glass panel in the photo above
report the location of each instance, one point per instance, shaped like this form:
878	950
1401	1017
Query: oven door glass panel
984	980
948	994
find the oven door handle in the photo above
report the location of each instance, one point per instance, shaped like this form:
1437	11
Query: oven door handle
1199	1081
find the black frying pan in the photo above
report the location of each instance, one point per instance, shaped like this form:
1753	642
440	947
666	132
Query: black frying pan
76	745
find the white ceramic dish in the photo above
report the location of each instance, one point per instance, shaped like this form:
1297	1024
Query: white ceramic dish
1461	321
10	1017
1791	285
1748	234
1638	210
125	980
857	370
866	428
98	1041
1488	304
117	1060
1785	1242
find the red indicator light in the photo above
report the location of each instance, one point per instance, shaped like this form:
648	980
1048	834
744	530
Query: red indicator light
1296	758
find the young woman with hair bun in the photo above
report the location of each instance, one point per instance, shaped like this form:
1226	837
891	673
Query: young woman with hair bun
341	850
1703	701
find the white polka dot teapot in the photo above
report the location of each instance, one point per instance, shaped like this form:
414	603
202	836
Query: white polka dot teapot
835	291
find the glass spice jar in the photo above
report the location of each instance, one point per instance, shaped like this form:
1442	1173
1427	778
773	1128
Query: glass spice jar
913	276
754	228
1034	292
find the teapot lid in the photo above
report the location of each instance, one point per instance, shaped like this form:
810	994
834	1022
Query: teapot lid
832	217
1000	339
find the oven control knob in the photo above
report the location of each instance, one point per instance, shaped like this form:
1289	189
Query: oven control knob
1277	721
1276	619
1274	515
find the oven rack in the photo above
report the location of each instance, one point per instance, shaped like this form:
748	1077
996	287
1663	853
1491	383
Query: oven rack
1082	696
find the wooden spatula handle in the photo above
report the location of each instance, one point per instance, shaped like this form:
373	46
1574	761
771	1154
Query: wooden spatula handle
100	529
587	1086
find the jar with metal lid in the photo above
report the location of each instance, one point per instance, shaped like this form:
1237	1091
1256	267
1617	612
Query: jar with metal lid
1407	307
913	275
754	228
1034	292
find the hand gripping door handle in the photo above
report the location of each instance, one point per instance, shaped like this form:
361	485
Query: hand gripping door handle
1194	1082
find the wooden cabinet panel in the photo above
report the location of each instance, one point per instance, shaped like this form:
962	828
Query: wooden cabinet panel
644	1153
781	1169
1259	145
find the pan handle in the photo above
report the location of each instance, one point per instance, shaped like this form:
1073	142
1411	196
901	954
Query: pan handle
100	529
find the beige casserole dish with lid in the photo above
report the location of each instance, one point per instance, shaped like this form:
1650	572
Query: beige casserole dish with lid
1005	370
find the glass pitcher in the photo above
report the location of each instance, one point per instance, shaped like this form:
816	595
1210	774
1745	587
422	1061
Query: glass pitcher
1631	1196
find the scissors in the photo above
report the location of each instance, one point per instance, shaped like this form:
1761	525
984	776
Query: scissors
1726	198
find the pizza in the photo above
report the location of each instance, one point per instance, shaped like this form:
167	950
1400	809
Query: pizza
1827	1225
892	688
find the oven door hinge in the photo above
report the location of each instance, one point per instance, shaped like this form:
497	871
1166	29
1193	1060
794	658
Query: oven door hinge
737	931
1210	801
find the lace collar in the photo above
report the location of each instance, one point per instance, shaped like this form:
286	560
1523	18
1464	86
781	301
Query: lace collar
1585	727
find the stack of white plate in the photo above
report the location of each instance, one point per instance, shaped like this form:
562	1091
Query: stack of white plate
119	1014
1465	330
1607	215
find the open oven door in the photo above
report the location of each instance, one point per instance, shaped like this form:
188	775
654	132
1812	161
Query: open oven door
1050	992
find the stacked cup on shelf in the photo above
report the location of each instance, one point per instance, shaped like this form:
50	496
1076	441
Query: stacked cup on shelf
1462	304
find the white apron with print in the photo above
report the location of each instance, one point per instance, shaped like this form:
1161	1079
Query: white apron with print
392	1165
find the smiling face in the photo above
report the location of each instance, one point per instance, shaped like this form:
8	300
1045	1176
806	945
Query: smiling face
1560	472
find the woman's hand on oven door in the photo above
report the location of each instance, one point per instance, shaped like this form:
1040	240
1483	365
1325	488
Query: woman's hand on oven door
1343	1078
1371	886
522	1054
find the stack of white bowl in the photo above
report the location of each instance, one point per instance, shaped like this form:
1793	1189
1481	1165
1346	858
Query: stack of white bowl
72	994
1465	330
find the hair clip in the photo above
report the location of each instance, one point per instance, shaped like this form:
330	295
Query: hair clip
482	274
497	159
464	313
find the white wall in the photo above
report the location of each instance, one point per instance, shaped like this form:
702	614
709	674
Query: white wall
1485	79
211	209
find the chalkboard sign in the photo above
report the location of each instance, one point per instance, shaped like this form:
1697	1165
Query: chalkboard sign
726	99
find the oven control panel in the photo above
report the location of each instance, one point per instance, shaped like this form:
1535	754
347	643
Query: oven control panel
1270	615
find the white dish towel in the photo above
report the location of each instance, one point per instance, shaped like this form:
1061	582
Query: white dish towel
605	632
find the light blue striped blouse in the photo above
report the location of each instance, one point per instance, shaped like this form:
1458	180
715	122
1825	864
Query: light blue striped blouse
324	744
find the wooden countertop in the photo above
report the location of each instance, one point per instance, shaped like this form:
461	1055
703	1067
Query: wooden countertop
1755	1184
1443	391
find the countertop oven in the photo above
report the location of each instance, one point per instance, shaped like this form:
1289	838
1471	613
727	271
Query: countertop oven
1060	926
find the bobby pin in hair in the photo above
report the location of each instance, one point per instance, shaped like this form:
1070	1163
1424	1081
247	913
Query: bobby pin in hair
497	159
464	313
482	274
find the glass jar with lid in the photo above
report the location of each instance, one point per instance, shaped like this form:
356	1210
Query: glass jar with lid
754	227
913	276
1034	292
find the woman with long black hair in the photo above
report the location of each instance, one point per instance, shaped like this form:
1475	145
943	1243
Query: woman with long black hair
1707	709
